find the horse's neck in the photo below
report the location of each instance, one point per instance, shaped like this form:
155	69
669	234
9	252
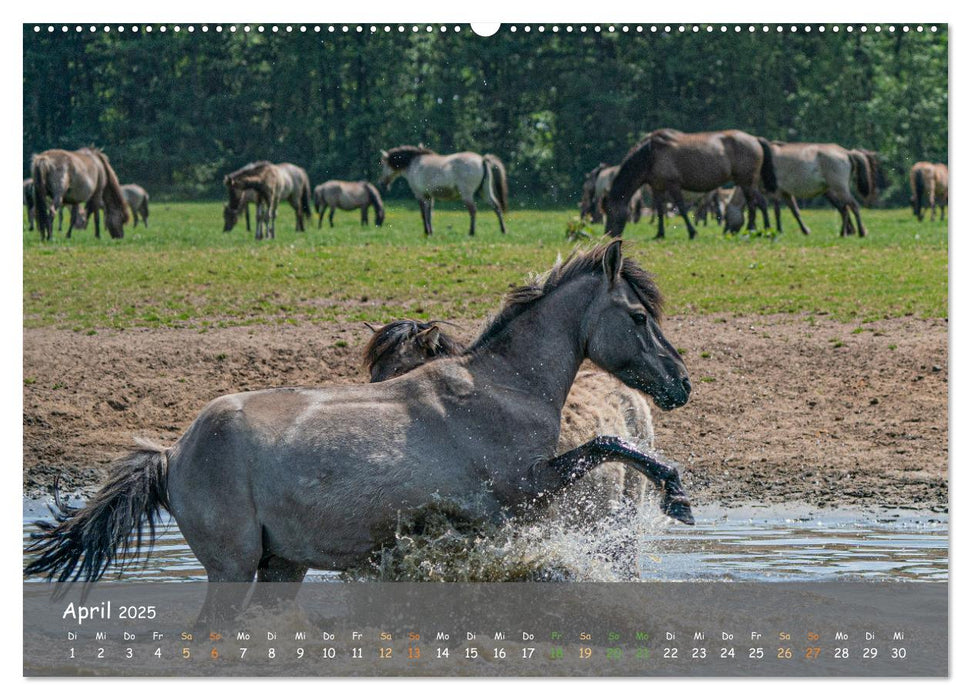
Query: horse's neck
539	351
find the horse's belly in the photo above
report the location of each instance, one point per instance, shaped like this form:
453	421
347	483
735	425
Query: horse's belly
444	192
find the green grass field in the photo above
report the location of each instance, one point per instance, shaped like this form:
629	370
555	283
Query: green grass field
184	272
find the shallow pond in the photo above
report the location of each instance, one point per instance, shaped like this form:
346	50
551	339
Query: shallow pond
750	543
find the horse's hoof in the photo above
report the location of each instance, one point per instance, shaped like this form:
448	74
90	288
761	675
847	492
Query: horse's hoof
679	508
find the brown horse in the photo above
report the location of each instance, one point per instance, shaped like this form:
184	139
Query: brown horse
931	178
813	169
137	199
671	161
272	183
339	194
77	177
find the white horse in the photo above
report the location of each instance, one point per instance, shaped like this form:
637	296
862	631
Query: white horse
455	176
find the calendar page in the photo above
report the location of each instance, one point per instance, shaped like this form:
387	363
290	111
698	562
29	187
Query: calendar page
525	350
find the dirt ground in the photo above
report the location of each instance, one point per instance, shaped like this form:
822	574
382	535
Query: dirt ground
784	408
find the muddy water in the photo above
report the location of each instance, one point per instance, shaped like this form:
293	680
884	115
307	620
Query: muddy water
749	543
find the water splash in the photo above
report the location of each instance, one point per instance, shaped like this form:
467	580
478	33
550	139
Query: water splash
438	545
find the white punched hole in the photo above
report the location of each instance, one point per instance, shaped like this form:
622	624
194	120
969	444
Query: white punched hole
485	28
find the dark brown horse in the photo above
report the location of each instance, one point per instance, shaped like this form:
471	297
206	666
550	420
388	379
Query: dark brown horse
77	177
671	161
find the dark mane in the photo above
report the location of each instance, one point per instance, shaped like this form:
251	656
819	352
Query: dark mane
400	157
637	162
578	264
249	169
393	334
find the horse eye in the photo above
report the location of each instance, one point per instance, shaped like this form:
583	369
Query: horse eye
639	319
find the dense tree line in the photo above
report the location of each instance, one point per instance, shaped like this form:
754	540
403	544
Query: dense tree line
175	111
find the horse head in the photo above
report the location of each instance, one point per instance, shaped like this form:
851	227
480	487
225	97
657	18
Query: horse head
401	346
623	333
388	173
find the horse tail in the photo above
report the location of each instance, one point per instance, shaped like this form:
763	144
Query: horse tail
501	190
861	169
375	200
112	194
305	196
83	542
318	198
769	180
38	171
918	185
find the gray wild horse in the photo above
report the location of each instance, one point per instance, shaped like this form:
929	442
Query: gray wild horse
671	162
268	483
597	404
932	179
455	176
77	177
340	194
272	183
811	169
137	200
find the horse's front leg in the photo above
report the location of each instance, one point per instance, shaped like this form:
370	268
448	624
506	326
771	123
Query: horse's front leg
565	469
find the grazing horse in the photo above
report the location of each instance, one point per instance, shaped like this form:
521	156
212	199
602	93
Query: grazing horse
269	483
813	169
672	161
231	216
455	176
77	177
339	194
137	200
272	183
931	178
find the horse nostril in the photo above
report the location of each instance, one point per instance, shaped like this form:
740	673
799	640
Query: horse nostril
686	383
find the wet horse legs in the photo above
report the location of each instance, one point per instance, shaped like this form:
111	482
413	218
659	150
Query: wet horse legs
571	465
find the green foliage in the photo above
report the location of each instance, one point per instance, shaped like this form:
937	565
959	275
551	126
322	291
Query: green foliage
175	111
184	272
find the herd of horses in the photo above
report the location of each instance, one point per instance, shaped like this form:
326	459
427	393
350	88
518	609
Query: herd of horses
724	173
267	484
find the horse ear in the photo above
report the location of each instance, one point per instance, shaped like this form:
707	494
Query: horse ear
370	327
613	261
428	338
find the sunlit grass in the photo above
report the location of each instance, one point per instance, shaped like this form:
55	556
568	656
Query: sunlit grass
184	272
